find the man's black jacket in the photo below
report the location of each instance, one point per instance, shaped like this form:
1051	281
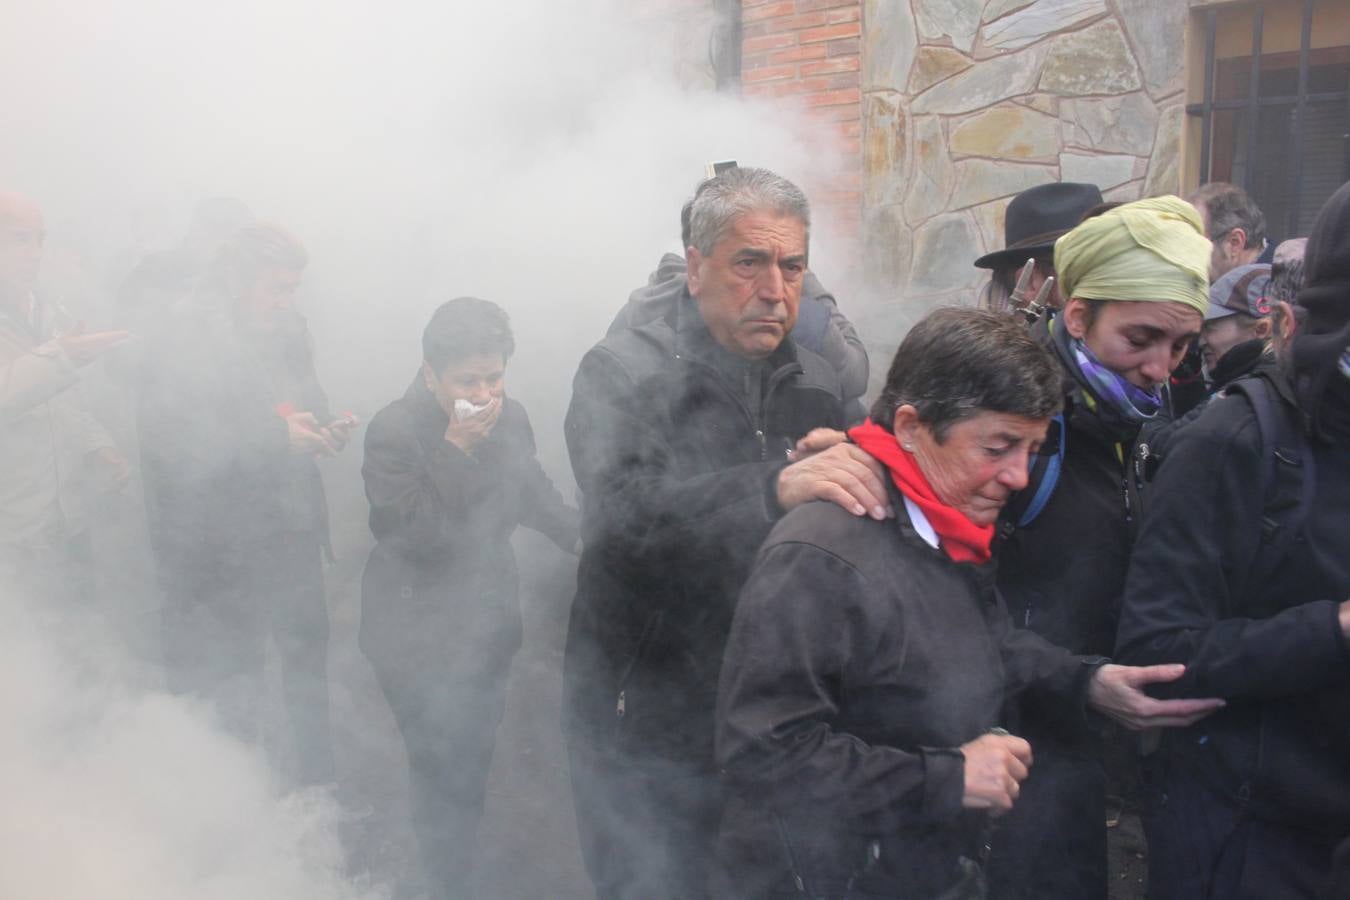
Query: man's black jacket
1274	651
678	479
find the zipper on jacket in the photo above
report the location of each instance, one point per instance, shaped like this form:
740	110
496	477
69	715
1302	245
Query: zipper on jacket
621	707
751	418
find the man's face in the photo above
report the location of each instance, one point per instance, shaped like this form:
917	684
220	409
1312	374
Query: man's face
1218	336
1229	253
270	297
22	236
1141	341
748	289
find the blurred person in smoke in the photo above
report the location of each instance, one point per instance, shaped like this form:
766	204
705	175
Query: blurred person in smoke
49	441
450	472
821	325
1034	220
1136	279
860	711
1242	573
167	276
689	437
231	421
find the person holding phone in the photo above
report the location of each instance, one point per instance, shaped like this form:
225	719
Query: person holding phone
231	421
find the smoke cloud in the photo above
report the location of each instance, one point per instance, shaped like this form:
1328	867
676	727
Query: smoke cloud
116	790
535	154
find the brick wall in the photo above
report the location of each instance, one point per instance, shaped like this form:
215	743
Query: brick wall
807	53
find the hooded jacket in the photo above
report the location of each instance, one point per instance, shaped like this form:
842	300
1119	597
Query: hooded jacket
861	658
676	445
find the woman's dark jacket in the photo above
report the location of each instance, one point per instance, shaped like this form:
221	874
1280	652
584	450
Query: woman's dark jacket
860	659
1274	650
677	446
443	567
1063	574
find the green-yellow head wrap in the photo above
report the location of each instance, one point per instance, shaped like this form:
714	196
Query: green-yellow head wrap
1152	249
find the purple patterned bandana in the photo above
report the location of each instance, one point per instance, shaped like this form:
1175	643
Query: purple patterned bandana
1129	400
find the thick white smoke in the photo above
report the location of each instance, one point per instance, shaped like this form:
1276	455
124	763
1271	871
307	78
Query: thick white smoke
116	791
533	153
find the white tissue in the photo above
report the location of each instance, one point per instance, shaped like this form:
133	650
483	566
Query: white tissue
465	409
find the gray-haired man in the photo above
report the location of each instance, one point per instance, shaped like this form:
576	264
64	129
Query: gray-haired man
689	437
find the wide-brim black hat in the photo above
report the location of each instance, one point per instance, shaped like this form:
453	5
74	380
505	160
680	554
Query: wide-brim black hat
1036	218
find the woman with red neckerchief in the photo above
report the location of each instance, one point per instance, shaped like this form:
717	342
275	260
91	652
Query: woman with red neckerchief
860	723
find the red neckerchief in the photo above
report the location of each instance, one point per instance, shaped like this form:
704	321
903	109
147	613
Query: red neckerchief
962	539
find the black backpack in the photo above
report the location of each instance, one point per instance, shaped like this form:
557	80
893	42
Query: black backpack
1288	474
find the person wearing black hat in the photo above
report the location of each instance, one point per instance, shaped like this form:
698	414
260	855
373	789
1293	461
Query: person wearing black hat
1249	589
1035	219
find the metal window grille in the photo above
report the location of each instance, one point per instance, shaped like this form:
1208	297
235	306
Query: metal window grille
1320	100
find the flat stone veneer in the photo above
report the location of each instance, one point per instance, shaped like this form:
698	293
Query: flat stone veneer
967	102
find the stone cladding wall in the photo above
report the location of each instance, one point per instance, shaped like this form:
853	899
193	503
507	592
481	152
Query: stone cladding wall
967	102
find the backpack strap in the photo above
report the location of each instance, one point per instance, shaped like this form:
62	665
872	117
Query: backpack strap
1042	474
1288	477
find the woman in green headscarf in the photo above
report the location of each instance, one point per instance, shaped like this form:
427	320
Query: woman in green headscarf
1136	279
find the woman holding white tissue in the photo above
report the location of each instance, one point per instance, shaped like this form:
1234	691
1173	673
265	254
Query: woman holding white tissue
450	471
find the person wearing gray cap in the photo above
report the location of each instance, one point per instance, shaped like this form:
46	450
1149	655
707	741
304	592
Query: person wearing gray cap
1235	341
1235	335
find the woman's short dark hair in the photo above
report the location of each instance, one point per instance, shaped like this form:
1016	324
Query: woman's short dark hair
464	327
958	362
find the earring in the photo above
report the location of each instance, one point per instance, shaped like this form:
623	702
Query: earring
908	446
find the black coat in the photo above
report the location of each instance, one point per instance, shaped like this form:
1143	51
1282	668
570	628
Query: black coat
1274	651
222	485
443	567
1062	575
860	659
678	481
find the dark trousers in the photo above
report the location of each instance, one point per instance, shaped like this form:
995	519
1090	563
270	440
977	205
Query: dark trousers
648	829
1053	843
214	633
1202	847
448	716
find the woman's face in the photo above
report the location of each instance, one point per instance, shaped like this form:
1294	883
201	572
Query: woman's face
980	464
479	379
1141	341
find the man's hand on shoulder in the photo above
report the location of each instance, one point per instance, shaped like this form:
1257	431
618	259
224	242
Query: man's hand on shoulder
841	473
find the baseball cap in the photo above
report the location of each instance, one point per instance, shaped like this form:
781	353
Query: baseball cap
1242	290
